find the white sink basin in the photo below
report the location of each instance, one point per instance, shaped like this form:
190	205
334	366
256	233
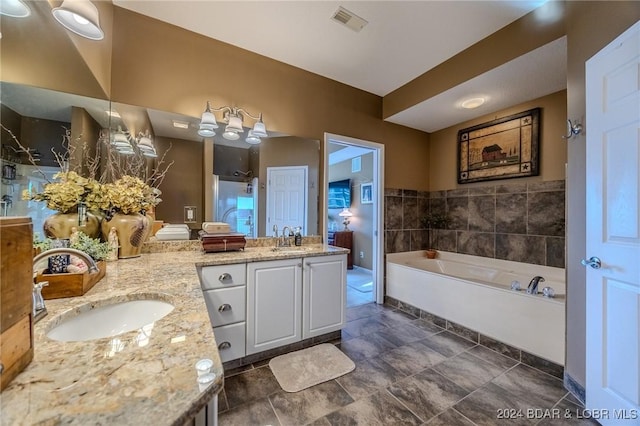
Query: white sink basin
109	320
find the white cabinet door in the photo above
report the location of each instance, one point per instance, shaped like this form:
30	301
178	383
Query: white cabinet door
325	294
274	302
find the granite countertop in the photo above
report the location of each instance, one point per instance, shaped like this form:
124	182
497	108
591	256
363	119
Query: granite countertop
139	377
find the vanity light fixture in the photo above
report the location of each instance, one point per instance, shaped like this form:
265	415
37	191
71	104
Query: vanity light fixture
234	118
472	103
145	145
80	17
346	214
14	8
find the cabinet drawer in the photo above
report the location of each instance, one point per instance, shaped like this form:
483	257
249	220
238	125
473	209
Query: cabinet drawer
230	340
226	305
223	276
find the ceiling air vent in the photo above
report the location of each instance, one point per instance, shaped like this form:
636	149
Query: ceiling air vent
349	19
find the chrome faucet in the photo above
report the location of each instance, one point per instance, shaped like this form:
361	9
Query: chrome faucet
532	288
39	309
88	260
286	242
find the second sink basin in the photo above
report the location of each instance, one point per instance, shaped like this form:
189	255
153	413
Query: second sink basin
109	320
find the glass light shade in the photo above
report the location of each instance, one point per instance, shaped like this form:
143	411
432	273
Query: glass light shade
80	17
125	150
145	144
260	130
235	124
209	119
14	8
150	154
252	138
206	131
345	213
472	103
230	134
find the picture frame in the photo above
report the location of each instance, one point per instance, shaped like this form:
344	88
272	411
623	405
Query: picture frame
366	193
500	149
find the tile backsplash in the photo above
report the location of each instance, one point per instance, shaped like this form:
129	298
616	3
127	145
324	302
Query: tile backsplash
523	222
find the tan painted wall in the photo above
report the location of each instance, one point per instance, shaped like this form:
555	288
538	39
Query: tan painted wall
39	52
182	70
553	155
590	27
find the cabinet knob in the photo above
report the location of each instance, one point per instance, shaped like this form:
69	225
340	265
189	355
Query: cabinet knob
224	307
224	345
224	277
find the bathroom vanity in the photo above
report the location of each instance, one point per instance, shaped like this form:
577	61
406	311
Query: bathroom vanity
148	375
262	305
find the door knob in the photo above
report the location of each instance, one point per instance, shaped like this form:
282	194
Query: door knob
593	261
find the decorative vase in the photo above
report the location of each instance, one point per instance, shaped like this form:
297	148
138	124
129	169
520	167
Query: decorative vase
132	230
59	225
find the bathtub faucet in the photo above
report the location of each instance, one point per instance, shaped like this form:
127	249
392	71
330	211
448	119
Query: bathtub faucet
532	288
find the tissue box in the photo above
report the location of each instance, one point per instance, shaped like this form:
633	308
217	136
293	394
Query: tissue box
173	232
216	227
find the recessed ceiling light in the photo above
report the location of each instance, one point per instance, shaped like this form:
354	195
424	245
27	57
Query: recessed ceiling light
180	124
113	114
472	103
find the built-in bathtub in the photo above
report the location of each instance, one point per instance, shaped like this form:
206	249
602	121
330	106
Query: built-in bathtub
475	292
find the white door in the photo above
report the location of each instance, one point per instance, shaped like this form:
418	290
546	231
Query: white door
287	198
613	230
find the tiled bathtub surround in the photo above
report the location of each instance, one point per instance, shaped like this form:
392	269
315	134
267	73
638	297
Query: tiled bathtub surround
523	222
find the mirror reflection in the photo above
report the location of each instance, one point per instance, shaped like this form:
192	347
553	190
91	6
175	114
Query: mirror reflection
255	186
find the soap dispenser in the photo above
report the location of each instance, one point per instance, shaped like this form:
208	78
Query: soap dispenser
298	237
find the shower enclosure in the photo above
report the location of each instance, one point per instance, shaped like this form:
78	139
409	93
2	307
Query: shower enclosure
236	202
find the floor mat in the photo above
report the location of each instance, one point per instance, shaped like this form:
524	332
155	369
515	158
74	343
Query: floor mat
308	367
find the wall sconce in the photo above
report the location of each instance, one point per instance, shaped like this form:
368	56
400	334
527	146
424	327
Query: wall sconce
121	142
234	118
346	214
14	8
80	17
145	145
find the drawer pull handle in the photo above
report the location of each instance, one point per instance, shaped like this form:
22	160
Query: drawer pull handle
224	345
224	307
224	277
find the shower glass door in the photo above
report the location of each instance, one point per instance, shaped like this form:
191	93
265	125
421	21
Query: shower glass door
235	203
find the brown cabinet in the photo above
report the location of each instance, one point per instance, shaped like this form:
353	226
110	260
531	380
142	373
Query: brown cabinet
343	239
16	284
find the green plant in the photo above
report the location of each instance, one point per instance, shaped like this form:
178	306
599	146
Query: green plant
92	246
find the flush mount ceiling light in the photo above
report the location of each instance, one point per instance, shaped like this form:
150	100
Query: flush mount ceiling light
234	118
472	103
80	17
14	8
180	124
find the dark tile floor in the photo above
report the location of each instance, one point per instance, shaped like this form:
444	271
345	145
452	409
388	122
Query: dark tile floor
408	372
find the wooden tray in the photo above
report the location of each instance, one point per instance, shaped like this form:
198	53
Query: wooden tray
212	243
70	285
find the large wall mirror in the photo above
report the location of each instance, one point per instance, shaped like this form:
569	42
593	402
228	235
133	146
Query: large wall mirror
52	82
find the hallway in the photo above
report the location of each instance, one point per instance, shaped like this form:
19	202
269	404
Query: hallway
359	286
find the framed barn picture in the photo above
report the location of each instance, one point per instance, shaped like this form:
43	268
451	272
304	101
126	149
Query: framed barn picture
500	149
